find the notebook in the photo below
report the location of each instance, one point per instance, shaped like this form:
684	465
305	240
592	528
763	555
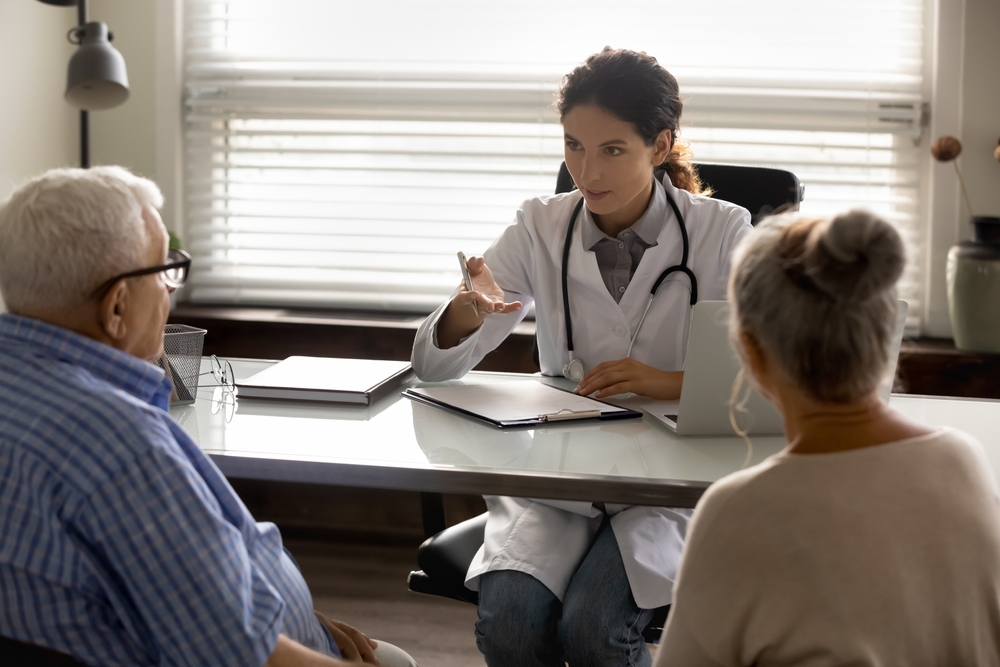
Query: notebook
328	380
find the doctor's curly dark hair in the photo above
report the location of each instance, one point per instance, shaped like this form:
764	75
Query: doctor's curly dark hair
634	87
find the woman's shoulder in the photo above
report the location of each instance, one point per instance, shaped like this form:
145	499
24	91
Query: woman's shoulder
729	494
706	216
704	203
539	222
716	212
963	450
785	476
549	207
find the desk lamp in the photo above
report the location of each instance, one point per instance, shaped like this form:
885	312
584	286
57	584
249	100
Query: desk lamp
96	78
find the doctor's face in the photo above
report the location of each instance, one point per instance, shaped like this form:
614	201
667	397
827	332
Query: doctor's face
610	163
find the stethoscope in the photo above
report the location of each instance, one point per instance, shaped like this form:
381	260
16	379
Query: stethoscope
574	368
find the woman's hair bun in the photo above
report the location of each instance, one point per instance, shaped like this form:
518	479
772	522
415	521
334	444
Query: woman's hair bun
854	256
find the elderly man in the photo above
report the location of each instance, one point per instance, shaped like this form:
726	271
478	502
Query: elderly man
120	541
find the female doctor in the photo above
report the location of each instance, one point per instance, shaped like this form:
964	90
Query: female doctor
628	253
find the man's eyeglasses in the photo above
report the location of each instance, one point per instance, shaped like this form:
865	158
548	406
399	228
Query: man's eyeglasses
224	395
175	273
222	371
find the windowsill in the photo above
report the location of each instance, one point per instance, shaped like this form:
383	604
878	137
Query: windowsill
389	320
277	333
933	366
930	366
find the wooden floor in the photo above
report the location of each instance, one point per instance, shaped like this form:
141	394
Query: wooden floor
365	586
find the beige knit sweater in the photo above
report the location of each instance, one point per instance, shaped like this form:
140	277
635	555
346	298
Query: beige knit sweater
888	555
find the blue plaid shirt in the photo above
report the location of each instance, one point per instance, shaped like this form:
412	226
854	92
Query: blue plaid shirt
121	543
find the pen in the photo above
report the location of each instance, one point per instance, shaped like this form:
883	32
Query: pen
569	414
467	279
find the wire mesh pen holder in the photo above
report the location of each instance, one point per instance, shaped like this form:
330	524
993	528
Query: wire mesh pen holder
181	360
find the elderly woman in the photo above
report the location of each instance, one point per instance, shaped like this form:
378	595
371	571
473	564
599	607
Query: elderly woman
870	540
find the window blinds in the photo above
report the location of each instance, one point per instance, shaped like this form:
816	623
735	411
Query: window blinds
339	154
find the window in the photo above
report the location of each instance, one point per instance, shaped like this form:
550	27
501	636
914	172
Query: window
339	154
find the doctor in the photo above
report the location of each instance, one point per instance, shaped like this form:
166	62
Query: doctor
613	270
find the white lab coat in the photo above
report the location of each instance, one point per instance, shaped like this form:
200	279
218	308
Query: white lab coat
548	539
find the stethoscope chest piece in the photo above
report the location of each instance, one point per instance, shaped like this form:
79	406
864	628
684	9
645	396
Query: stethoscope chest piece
573	370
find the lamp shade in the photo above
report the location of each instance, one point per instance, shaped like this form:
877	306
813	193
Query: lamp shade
97	78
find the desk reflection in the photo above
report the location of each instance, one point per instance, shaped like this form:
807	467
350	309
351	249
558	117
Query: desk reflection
633	448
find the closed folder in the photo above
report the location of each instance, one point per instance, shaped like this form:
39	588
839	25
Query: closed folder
328	380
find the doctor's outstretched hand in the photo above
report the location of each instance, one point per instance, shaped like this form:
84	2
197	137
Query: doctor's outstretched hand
628	375
461	318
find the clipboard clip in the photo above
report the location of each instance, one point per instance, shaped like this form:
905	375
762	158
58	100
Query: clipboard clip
566	413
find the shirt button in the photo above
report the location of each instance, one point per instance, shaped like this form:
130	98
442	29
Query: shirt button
621	245
621	290
626	234
620	331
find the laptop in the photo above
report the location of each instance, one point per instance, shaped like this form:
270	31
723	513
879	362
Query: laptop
710	368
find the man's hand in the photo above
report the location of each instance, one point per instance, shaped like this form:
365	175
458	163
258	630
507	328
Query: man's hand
628	375
290	653
354	646
460	319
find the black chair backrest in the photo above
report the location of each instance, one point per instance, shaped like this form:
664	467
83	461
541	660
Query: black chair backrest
760	190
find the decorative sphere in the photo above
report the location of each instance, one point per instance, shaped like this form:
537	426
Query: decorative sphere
946	149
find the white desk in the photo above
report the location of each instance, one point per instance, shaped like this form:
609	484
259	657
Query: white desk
400	444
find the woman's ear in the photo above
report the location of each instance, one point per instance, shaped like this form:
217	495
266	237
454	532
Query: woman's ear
661	147
112	311
753	356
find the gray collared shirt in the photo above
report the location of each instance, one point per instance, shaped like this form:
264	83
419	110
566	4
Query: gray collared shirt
618	258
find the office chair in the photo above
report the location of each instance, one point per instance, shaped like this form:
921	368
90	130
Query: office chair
760	190
444	558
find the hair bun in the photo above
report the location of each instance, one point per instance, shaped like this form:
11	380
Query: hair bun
854	256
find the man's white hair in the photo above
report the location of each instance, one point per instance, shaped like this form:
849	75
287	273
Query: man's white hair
67	231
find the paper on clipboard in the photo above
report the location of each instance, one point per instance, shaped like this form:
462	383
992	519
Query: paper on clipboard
518	403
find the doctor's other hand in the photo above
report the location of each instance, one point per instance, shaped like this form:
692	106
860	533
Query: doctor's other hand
460	318
628	375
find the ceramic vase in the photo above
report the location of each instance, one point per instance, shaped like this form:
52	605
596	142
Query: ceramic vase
974	288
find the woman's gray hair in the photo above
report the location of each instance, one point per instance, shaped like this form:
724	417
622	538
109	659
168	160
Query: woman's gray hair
820	298
65	232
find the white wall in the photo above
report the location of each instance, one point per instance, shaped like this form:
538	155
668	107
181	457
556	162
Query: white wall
144	133
968	95
126	134
981	107
38	130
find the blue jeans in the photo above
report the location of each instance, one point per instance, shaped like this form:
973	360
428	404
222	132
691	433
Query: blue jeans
522	624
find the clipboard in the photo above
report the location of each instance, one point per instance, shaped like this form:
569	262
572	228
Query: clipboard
517	403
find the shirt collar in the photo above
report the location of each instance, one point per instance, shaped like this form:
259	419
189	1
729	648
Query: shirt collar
647	227
119	369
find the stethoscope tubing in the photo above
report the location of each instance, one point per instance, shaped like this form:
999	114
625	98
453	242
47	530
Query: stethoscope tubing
682	267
